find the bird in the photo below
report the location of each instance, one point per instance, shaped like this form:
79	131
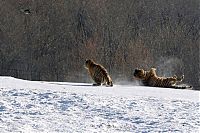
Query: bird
26	11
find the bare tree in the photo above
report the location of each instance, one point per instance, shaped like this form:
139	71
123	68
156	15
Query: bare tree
49	40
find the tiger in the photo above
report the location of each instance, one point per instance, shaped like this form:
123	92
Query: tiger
150	78
98	73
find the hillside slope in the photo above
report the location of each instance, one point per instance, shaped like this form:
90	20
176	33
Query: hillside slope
36	106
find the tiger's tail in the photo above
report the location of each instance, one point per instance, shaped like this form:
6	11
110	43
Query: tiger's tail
182	87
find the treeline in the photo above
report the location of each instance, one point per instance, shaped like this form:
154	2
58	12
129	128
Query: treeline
50	39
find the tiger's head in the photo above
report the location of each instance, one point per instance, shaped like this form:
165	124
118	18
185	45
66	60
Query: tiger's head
88	63
144	75
139	74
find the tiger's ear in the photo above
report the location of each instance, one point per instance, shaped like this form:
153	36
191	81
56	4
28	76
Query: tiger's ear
153	71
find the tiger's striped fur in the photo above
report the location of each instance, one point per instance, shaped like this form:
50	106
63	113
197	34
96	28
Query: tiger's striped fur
98	73
150	78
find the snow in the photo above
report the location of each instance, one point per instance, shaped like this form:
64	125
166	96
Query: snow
38	106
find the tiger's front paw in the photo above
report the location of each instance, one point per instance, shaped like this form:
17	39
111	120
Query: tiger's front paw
96	84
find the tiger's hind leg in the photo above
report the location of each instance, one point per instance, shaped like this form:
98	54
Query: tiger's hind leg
110	83
180	79
175	80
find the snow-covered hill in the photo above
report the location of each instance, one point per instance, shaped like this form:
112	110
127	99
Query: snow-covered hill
36	106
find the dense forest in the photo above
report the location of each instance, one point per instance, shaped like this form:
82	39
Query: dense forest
50	39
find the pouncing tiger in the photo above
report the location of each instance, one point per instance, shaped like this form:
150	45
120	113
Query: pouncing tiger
150	78
98	73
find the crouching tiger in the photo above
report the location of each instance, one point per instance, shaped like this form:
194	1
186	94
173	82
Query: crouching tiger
98	73
150	78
